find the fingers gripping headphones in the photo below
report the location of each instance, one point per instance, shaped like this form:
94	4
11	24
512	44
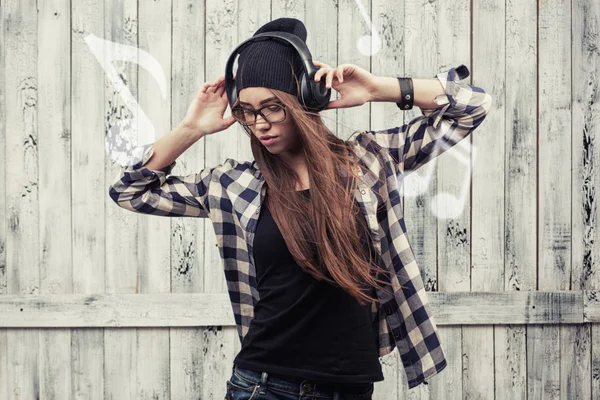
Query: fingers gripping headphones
314	96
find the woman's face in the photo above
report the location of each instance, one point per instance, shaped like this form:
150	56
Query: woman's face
287	139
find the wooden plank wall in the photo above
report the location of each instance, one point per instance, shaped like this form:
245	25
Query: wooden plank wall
511	209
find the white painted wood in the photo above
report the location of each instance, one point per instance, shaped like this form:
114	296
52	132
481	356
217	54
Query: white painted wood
488	188
321	20
595	361
154	262
543	362
87	192
575	367
585	129
520	230
187	240
54	190
351	26
4	383
118	351
173	309
510	361
585	178
591	306
21	191
554	186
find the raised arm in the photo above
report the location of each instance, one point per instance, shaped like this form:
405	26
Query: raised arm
145	186
451	110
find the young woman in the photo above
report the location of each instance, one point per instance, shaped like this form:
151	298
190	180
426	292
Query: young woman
321	277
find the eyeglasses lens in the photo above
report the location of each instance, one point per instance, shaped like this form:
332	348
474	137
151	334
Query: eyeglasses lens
272	112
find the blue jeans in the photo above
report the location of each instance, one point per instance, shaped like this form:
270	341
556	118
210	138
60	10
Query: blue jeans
245	384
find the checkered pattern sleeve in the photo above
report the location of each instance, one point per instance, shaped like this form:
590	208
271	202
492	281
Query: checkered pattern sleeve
426	136
146	191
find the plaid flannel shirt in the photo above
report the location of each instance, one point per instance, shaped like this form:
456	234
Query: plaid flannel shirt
231	195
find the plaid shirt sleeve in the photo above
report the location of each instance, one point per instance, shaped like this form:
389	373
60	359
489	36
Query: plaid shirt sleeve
428	135
146	191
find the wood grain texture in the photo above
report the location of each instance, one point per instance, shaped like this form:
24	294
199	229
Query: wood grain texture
520	224
4	383
155	255
173	309
555	159
21	191
117	347
585	177
188	73
98	302
55	204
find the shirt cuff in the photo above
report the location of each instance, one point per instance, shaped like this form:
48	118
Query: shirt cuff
135	169
457	94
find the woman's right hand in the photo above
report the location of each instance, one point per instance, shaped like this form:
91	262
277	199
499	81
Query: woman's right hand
205	113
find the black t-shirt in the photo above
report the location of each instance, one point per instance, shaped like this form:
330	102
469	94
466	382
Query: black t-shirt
303	327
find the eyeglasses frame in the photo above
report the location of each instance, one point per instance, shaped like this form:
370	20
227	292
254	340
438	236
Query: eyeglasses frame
259	111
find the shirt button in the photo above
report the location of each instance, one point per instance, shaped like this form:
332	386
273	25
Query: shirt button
389	311
363	191
307	387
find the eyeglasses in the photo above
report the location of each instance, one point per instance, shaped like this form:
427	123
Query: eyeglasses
272	113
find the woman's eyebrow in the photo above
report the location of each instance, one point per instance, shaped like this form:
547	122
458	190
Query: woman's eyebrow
262	102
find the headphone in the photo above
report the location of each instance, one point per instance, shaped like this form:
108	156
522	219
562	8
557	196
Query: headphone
314	96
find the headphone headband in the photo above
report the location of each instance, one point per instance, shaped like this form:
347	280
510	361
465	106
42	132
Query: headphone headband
313	95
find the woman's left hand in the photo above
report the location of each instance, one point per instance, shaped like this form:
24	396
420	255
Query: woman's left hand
354	84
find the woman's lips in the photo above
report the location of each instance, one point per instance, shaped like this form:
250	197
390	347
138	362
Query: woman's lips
269	141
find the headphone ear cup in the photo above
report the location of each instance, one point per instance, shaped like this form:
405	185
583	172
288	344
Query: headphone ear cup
321	93
305	94
313	94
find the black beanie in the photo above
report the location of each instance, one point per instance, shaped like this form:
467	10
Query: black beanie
269	63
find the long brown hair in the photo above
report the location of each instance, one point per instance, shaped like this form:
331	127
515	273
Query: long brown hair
321	232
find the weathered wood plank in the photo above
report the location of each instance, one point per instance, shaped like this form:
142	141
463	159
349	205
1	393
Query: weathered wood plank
488	192
116	347
154	264
585	59
162	310
554	188
187	241
591	306
595	361
321	19
3	216
520	230
22	188
351	26
54	91
531	307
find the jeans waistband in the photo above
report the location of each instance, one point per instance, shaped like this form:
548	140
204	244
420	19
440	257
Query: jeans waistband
299	385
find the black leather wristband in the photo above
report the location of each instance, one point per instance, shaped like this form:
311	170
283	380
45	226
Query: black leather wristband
406	93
